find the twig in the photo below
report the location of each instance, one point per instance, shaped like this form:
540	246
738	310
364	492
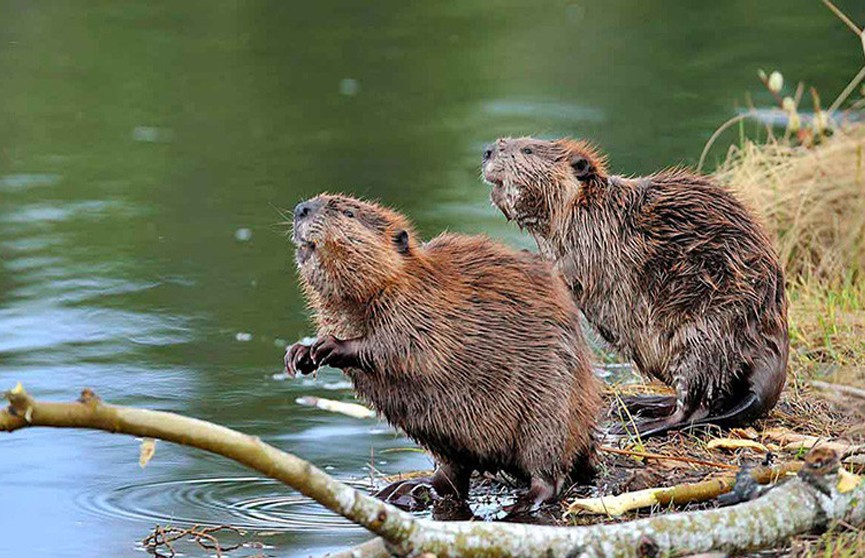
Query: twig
353	410
620	406
662	457
406	476
847	90
678	495
721	129
164	536
843	17
839	388
793	441
159	538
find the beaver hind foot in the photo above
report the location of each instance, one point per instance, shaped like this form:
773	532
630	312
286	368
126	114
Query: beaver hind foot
650	406
683	418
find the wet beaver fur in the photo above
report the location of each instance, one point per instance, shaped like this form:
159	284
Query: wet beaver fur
474	350
670	268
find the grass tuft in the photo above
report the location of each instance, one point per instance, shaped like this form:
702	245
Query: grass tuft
812	201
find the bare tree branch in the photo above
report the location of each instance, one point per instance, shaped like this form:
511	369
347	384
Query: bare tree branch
803	504
89	412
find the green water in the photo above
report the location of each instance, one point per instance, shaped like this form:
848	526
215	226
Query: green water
139	140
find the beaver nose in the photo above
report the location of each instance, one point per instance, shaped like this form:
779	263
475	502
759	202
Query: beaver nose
301	210
489	150
306	208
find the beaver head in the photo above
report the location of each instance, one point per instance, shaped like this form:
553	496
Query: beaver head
533	178
349	249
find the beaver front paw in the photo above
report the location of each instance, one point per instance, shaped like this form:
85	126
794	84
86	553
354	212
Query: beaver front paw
334	352
298	359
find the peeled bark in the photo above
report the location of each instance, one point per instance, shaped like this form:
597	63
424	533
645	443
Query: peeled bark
678	495
803	504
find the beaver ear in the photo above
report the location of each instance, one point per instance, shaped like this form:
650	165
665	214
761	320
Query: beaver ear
401	241
582	167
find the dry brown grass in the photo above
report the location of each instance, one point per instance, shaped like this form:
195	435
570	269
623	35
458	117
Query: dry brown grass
812	200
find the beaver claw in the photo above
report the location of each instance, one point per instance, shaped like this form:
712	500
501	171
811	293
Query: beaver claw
298	359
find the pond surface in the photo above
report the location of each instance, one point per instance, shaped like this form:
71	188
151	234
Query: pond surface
145	152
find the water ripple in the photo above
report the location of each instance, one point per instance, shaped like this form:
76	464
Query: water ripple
251	503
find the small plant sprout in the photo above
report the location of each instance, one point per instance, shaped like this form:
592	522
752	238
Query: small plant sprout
775	82
794	123
820	123
793	120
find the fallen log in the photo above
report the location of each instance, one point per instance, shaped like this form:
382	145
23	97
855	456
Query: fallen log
809	502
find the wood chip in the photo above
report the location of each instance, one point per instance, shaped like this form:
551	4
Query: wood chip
348	409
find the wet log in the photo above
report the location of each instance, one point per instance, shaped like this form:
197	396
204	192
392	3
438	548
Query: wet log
809	502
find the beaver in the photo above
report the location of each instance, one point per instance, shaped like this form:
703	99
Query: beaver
671	269
473	349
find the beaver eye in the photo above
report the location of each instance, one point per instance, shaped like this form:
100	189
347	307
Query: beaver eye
348	213
527	150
